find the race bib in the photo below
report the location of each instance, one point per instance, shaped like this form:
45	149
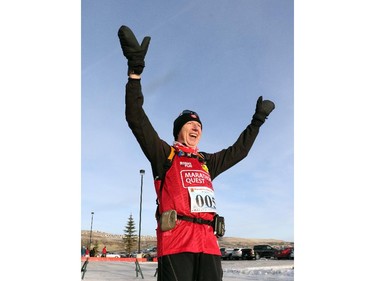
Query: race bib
202	199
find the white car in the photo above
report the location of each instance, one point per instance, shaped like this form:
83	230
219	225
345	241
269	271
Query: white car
237	253
226	253
112	255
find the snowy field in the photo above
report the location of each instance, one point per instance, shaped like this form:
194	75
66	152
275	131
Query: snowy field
259	270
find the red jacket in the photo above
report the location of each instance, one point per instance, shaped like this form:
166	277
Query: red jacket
187	189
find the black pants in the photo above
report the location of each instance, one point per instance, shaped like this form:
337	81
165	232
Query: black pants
190	267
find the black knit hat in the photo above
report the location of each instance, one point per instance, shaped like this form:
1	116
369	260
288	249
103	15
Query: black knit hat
184	117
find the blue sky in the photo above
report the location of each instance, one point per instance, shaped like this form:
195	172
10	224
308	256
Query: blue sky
213	57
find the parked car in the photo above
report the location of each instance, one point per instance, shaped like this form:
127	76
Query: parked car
247	254
286	253
237	253
264	251
226	253
133	254
112	255
150	254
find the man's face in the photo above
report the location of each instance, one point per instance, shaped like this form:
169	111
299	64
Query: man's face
190	134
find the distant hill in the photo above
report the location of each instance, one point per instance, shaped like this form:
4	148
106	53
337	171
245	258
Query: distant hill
115	243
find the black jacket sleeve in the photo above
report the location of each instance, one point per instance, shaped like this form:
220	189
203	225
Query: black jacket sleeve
223	160
155	149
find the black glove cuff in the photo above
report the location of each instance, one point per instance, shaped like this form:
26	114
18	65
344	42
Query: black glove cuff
256	122
136	63
258	119
260	116
135	66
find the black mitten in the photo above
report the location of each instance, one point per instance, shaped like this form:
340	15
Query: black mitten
263	109
134	52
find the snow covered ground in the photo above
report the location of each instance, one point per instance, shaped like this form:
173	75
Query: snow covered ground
266	270
259	270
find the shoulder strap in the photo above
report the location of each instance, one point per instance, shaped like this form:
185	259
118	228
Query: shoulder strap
167	165
171	155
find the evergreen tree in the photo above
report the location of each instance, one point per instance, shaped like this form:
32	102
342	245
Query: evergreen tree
130	238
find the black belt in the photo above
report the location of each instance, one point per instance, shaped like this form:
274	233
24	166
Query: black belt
195	220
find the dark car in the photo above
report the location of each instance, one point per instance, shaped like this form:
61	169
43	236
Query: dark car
286	253
264	251
150	254
247	254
